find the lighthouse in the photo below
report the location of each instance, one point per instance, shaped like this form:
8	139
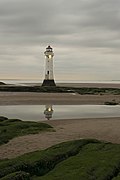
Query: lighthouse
49	77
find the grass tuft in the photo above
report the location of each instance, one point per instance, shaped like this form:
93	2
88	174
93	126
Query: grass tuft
10	128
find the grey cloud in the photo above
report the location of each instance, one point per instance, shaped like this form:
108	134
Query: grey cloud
85	34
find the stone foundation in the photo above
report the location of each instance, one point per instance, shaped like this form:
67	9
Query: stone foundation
48	82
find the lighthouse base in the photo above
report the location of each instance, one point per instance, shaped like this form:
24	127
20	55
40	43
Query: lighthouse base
48	82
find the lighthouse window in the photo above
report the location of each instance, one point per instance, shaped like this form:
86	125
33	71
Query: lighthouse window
48	72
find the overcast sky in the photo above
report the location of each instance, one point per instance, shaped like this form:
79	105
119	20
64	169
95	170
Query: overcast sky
85	36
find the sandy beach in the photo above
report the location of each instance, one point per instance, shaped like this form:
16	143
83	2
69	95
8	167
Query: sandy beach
106	129
31	98
99	128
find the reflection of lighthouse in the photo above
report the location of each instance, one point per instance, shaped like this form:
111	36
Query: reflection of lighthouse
48	112
49	78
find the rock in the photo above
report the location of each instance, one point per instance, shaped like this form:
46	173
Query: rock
2	118
2	83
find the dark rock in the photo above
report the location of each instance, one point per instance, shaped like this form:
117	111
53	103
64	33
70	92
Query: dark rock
2	83
2	118
48	82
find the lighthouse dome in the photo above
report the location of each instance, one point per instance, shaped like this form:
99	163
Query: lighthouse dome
49	48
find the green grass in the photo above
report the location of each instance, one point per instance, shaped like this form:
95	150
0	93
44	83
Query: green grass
10	128
95	162
40	162
116	178
20	175
73	160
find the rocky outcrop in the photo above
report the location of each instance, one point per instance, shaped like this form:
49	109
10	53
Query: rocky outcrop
2	83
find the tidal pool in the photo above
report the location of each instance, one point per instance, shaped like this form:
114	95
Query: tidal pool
56	112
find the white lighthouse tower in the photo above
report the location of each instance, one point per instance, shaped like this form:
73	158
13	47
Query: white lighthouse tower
49	78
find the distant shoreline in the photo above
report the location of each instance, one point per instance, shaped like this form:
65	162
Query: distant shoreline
98	84
36	82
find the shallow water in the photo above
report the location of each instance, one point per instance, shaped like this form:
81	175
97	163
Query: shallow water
56	112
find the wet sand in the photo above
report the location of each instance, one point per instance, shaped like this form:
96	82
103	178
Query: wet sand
107	129
31	98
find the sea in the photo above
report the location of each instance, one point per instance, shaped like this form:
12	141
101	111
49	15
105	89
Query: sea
38	81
